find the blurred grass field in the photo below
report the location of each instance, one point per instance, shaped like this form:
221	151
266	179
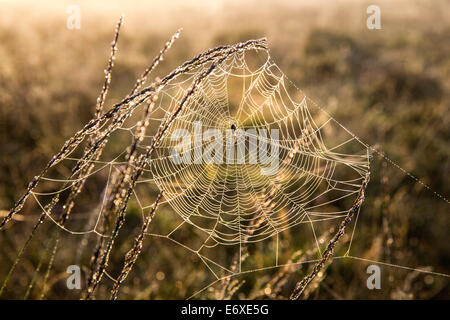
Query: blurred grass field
390	87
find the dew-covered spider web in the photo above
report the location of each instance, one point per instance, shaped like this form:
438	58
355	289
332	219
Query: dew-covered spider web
225	212
234	204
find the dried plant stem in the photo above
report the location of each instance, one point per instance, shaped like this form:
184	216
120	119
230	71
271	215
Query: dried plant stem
133	253
101	98
49	267
139	82
78	185
156	61
85	171
329	251
116	196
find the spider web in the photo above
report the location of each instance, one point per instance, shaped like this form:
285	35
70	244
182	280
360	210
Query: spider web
232	204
